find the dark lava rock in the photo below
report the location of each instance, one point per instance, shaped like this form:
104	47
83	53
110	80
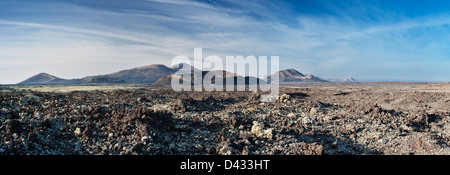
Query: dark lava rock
47	123
137	148
87	133
32	136
14	126
142	99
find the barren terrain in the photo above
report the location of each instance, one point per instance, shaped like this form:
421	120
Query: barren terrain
309	118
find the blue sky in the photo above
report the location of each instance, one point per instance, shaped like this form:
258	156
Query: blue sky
367	40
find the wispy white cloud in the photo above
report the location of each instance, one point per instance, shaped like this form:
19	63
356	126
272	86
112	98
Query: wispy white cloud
79	30
97	39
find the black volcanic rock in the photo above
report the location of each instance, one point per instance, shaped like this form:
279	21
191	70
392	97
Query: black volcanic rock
292	75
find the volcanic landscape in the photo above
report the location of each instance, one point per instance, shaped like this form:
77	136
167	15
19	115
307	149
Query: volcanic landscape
308	118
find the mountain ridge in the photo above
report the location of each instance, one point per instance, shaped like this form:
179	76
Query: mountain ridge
159	74
41	78
293	75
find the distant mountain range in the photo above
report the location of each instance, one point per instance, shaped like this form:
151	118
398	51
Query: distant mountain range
145	74
158	74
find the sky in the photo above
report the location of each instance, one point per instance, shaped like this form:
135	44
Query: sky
367	40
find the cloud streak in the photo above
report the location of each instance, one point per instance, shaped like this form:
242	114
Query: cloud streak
357	39
79	30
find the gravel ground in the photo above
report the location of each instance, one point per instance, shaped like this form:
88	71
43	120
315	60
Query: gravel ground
317	119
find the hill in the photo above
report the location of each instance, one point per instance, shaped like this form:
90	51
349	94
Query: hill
145	74
42	78
292	75
226	76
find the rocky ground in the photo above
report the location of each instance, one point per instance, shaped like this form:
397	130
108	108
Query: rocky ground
314	118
